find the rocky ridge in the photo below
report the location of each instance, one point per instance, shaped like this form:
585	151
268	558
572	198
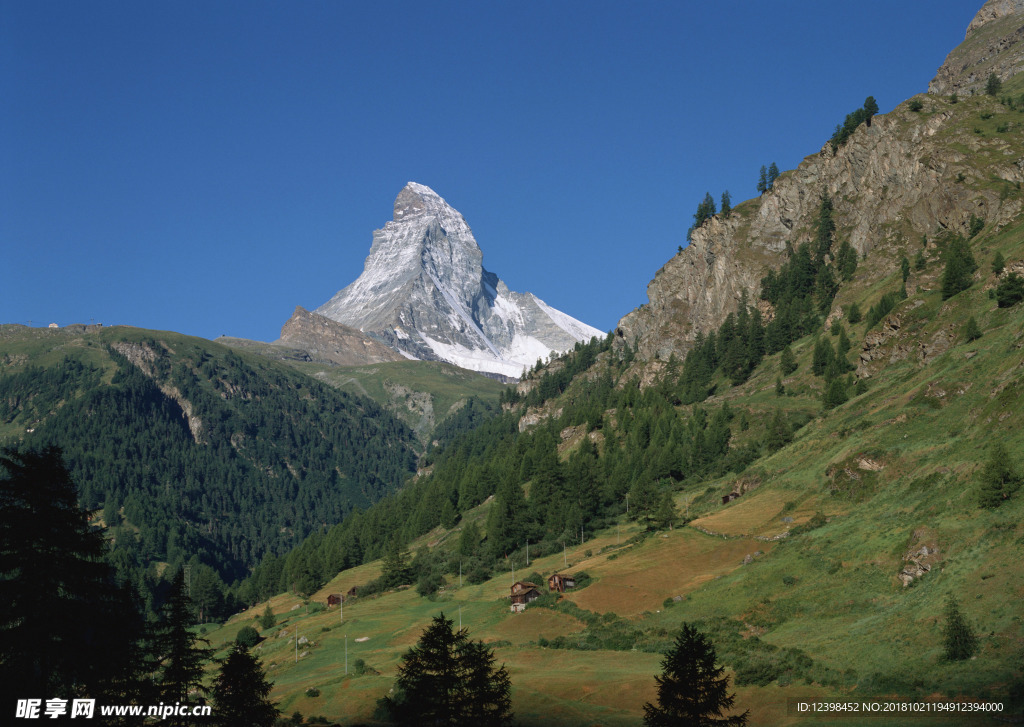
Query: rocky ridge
994	44
906	175
327	341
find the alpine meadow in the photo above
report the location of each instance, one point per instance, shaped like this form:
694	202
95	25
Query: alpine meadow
786	490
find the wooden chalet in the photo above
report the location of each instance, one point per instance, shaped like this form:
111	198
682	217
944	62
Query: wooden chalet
522	593
560	581
333	599
730	497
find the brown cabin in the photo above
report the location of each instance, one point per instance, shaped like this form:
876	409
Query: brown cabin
352	592
522	593
559	582
730	497
333	599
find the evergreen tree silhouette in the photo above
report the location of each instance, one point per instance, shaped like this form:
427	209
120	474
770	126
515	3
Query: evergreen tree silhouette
67	626
447	679
692	689
241	692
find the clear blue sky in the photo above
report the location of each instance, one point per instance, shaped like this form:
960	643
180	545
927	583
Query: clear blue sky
204	167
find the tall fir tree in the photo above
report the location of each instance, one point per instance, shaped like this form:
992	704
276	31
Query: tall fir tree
762	180
959	640
870	109
773	174
1000	478
692	688
241	692
446	679
67	625
958	274
180	654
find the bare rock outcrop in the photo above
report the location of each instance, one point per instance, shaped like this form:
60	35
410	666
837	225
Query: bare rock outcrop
328	341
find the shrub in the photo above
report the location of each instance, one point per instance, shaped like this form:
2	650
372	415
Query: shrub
915	105
248	637
312	692
360	667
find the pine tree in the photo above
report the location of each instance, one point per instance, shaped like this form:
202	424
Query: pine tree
67	626
870	109
826	231
395	570
726	203
177	650
998	263
993	85
665	514
846	261
1010	291
960	266
692	689
449	515
835	394
446	679
823	356
999	478
854	315
241	692
762	180
843	344
778	433
773	174
268	620
971	331
780	389
959	640
787	361
905	268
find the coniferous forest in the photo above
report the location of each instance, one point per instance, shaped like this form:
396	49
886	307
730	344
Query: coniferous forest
200	456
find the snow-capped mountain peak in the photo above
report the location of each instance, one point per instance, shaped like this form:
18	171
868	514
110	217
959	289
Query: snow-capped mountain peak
424	292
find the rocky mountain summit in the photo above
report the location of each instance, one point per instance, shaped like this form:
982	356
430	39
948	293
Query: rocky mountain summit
911	173
425	293
994	44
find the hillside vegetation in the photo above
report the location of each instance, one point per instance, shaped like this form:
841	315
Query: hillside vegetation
423	394
189	451
865	414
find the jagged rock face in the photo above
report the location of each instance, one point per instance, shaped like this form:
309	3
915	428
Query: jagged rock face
894	180
994	44
425	293
328	341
